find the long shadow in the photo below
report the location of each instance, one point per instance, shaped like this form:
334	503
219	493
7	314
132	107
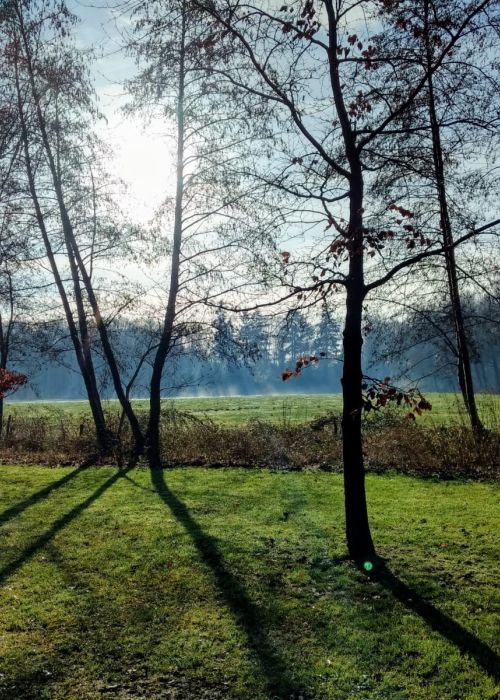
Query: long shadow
13	511
244	611
58	525
465	641
139	486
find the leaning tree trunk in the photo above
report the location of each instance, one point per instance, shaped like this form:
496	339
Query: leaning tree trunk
77	266
110	357
84	362
464	368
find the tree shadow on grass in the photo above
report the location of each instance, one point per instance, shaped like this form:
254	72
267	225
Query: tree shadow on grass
16	510
250	620
58	525
465	641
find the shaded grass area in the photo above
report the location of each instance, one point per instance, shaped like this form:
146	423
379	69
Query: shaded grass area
196	583
281	410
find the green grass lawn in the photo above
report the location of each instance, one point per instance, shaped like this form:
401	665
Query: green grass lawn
291	409
198	584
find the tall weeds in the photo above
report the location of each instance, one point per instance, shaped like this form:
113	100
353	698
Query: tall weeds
391	443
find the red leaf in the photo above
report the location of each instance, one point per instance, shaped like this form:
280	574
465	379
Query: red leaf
10	381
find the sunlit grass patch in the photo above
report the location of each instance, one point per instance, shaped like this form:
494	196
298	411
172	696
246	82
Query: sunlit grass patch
234	584
291	409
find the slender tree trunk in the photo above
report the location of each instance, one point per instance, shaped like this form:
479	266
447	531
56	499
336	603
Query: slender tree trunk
84	360
358	535
153	436
6	328
77	266
464	363
91	380
110	357
3	364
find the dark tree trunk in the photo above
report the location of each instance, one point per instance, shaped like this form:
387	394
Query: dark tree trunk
359	539
109	354
121	393
82	353
89	376
153	435
464	363
77	266
358	535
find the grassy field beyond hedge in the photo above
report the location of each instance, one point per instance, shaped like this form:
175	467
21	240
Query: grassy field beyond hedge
292	409
265	431
200	584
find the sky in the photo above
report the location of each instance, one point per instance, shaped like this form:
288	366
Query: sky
142	153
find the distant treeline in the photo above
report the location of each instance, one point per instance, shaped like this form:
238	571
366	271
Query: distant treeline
247	354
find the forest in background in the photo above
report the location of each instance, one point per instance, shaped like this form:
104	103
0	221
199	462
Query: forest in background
248	357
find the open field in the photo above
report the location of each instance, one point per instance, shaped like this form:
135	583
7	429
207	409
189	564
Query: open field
447	409
233	584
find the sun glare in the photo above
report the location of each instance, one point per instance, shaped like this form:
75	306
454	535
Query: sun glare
143	160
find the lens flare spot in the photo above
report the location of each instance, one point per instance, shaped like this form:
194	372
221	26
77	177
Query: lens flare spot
368	565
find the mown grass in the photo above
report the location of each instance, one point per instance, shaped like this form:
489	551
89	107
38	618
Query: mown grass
447	409
199	583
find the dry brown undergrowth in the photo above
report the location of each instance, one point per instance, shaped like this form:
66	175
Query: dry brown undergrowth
391	443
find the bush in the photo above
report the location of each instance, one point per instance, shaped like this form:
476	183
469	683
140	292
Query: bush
391	443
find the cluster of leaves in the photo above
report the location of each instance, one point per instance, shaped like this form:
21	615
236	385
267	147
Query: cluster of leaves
406	21
306	26
406	213
302	361
367	55
374	240
336	249
412	235
11	381
359	106
377	393
210	42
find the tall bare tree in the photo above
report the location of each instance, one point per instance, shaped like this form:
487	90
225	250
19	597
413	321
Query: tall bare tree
51	80
450	137
201	220
316	63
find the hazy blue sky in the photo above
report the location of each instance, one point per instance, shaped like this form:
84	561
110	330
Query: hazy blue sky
143	158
